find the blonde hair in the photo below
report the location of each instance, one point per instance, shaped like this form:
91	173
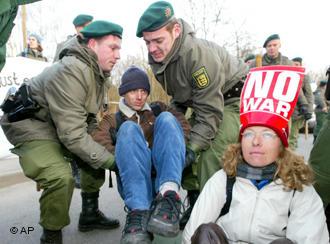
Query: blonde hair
291	168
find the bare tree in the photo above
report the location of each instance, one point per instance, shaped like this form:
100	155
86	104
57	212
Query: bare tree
208	19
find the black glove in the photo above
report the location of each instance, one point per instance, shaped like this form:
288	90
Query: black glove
190	157
307	116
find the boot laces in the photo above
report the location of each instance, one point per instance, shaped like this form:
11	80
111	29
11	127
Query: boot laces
136	221
169	206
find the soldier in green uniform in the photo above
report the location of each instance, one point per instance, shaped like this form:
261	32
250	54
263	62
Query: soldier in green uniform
200	75
321	107
8	12
249	58
34	48
304	107
320	161
79	22
68	94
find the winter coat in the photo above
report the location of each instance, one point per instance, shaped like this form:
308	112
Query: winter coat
196	74
70	94
260	216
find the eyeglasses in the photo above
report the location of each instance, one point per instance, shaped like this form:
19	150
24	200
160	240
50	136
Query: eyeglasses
266	135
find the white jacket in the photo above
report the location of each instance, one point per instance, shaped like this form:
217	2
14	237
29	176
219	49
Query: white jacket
260	217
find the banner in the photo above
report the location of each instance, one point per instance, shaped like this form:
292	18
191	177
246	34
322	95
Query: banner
269	96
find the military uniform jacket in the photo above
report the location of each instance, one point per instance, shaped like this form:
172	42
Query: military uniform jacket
196	73
62	45
70	94
305	95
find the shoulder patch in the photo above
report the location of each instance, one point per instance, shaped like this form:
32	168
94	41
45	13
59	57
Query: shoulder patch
201	78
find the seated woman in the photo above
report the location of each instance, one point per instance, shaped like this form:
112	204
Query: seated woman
265	187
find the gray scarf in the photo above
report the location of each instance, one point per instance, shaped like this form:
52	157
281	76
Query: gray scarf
247	171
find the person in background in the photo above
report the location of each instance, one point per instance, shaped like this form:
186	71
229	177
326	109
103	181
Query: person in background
249	58
319	159
34	48
67	97
8	12
199	75
321	107
304	107
79	22
304	110
264	193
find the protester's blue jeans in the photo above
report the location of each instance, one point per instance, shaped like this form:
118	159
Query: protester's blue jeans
134	160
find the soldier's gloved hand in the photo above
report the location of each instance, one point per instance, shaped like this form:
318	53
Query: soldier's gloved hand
307	116
190	157
109	164
209	233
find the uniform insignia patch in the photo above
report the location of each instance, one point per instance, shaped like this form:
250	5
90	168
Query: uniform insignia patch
168	12
201	78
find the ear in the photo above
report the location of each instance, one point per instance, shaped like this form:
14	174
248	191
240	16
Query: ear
91	43
177	30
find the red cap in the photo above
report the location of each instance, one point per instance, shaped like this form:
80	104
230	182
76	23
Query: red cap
269	96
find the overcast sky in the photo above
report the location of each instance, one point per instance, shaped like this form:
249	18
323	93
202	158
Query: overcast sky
303	25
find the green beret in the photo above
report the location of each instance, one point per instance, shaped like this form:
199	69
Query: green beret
270	38
82	19
155	17
249	57
297	59
323	82
101	28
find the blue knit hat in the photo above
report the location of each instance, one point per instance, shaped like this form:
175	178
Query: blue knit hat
134	78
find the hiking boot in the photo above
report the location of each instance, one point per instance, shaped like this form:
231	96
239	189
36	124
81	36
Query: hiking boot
165	216
135	230
51	237
192	196
91	217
